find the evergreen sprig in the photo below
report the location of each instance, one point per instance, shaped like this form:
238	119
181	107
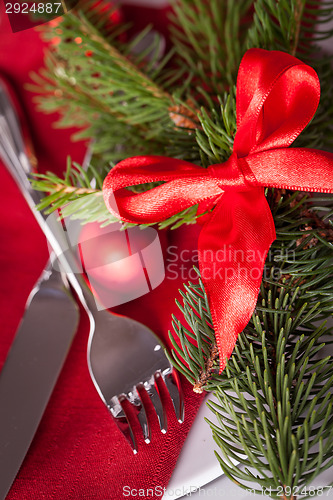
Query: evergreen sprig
79	194
116	94
299	259
142	103
273	401
209	38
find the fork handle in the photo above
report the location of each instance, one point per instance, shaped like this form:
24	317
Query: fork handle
15	159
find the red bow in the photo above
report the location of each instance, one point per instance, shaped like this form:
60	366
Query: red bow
277	95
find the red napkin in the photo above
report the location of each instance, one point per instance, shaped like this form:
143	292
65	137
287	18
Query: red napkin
78	451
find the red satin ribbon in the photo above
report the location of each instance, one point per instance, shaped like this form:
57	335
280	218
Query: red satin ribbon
277	95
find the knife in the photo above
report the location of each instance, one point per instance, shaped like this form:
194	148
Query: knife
44	335
31	369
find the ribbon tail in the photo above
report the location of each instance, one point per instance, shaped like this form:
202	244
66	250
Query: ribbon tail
233	246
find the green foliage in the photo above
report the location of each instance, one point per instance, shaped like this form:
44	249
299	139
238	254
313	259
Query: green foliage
299	264
273	404
117	94
291	26
210	40
79	195
295	27
273	399
215	140
124	98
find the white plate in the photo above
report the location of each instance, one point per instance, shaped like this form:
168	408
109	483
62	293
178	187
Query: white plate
197	464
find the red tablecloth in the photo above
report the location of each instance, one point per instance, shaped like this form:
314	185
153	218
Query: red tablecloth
78	452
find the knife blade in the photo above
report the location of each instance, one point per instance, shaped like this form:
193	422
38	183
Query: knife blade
31	369
45	333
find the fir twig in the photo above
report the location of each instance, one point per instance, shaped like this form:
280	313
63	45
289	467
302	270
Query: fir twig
273	401
298	15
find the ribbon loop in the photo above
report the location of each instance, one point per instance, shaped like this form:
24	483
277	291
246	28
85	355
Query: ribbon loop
277	95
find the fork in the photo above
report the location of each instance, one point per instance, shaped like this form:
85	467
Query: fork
125	358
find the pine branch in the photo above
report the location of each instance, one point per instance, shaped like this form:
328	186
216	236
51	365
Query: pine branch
209	39
146	117
274	405
298	17
118	97
74	194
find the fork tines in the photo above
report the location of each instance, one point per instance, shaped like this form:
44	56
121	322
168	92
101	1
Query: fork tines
122	406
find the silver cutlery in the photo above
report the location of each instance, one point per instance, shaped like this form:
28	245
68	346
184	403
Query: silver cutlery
125	358
39	349
31	370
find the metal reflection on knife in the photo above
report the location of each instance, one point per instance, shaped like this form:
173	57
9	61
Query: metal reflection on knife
31	369
43	338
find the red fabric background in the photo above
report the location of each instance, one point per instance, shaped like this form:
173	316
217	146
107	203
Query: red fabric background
78	452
